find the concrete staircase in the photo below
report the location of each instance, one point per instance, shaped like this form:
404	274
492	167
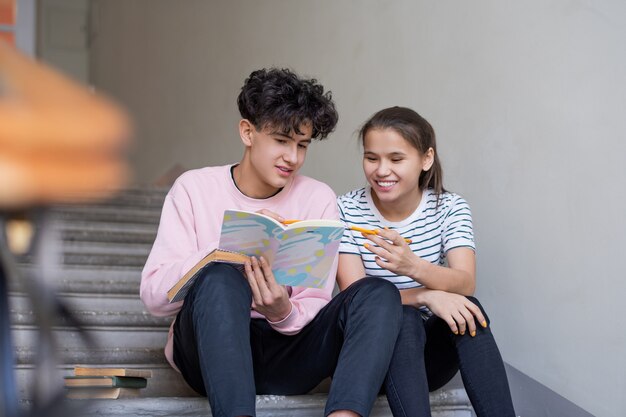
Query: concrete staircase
103	249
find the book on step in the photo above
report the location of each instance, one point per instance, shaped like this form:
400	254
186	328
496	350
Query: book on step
300	254
105	381
130	372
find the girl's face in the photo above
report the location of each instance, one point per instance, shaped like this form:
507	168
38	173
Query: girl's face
393	166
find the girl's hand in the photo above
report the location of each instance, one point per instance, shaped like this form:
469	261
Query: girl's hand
394	253
268	298
456	310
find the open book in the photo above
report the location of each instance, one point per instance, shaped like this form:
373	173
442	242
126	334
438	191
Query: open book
301	254
182	286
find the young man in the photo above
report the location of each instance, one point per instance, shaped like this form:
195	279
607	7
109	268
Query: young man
236	335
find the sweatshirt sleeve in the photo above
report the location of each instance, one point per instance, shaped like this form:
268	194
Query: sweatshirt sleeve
307	302
174	252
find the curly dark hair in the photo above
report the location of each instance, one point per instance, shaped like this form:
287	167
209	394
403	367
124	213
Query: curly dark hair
279	98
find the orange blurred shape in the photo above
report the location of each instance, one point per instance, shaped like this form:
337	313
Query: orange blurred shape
7	12
59	142
8	37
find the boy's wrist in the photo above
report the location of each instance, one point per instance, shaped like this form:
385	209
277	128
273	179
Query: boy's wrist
278	317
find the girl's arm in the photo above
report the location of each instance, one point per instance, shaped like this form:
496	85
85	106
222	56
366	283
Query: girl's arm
395	255
350	270
454	309
458	277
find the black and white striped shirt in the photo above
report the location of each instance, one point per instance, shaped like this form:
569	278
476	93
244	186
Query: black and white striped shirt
433	229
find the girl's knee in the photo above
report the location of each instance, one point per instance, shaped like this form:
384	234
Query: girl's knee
475	301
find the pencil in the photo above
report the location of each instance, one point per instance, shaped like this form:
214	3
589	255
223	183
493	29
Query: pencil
371	232
355	228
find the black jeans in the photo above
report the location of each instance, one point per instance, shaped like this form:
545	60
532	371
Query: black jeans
224	354
427	355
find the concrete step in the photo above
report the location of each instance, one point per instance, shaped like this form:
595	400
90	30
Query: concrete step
106	214
105	254
165	381
77	257
106	248
82	231
144	196
105	260
105	338
105	244
123	331
147	196
93	311
451	403
86	279
105	356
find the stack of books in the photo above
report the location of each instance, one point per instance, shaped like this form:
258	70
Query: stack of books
106	383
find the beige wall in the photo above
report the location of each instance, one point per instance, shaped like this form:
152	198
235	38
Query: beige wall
527	99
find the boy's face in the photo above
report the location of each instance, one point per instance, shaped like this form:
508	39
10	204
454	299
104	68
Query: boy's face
275	156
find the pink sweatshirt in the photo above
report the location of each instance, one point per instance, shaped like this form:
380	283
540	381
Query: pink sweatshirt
190	228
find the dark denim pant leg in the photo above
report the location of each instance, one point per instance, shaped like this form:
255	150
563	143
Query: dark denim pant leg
406	384
483	373
350	339
212	341
479	361
368	316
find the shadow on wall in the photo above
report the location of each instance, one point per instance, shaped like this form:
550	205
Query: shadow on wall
533	399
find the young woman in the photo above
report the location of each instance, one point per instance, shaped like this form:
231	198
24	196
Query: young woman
444	328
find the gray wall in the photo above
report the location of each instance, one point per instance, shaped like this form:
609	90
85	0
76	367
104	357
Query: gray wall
527	99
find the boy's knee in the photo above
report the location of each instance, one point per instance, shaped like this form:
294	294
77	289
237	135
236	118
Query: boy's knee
378	287
222	280
377	297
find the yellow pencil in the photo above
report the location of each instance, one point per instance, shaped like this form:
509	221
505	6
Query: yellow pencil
371	232
355	228
362	230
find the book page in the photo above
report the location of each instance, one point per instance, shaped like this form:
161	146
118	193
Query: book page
250	233
306	254
315	223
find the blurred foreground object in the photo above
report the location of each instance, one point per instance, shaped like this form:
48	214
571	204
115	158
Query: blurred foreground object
59	142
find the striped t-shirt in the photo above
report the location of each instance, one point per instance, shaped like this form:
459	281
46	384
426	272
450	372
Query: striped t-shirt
433	229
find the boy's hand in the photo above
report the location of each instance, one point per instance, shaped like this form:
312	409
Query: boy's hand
271	214
456	310
268	298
